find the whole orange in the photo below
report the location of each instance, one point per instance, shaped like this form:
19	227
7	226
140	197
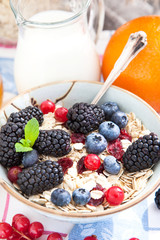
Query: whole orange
142	76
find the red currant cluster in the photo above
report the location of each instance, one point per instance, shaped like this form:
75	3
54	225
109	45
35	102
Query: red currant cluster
22	229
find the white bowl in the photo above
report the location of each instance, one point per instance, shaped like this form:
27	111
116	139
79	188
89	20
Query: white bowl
72	92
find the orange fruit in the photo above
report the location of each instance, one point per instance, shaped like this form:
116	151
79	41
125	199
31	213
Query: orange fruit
142	76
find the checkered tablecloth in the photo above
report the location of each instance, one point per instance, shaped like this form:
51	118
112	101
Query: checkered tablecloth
141	221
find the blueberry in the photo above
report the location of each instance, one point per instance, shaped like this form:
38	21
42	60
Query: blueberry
95	143
120	118
109	130
109	108
81	196
30	158
60	197
111	165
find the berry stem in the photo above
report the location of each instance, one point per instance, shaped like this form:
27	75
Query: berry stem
22	234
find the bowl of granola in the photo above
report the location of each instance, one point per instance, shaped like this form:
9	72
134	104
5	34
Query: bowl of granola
76	161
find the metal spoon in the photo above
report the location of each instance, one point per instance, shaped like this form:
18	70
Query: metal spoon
136	42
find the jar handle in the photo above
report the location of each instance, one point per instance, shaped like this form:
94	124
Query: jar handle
96	18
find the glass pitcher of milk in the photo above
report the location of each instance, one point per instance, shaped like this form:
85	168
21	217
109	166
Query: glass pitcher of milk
55	43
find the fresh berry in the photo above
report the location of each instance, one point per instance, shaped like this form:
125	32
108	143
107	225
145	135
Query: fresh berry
80	166
114	195
55	236
92	162
120	118
15	217
78	138
23	116
95	143
65	163
47	106
93	237
5	230
10	134
111	165
60	197
109	108
13	173
15	236
61	114
109	130
115	149
142	154
81	196
84	117
134	239
54	143
125	135
157	198
30	158
22	224
35	230
40	177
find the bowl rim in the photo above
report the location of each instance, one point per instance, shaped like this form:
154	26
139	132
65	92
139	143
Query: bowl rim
69	215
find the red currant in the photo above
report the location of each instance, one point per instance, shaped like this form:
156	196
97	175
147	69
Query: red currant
61	114
13	173
36	230
5	230
92	162
14	236
22	224
55	236
114	195
134	239
47	106
93	237
15	217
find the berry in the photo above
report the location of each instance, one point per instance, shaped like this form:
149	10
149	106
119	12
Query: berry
81	196
54	143
47	106
13	173
142	153
30	158
65	163
15	217
95	143
157	198
93	237
78	138
96	201
10	134
84	117
61	114
5	230
134	239
15	236
22	224
80	166
109	108
35	230
55	236
109	130
114	195
92	162
60	197
111	165
115	149
40	177
125	135
120	118
23	116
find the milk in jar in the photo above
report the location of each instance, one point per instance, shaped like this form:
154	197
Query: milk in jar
60	53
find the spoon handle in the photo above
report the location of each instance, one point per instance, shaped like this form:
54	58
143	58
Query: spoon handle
136	42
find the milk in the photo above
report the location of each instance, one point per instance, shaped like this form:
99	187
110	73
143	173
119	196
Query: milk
55	54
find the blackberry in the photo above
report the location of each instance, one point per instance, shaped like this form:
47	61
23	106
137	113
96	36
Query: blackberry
142	154
53	143
26	114
40	177
84	117
157	198
10	134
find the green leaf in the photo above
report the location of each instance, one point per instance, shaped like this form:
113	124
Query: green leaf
20	148
25	142
31	131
